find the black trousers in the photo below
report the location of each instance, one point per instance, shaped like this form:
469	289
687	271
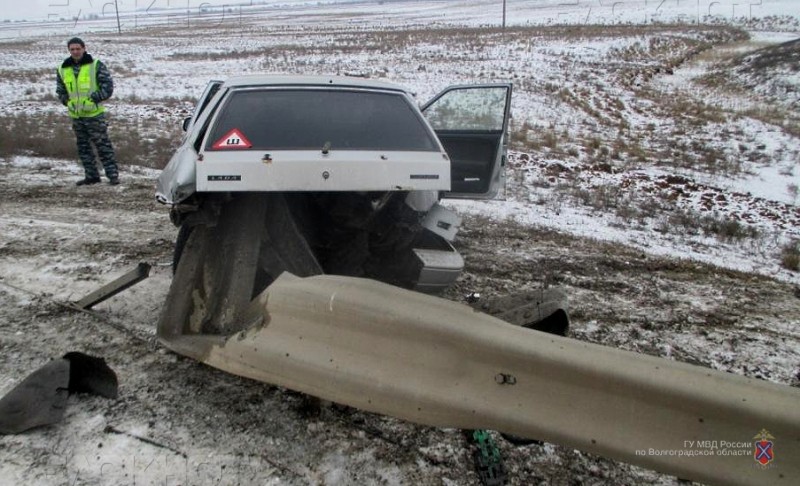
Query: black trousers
94	132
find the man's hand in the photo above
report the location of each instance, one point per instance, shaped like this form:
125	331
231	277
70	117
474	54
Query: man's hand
95	97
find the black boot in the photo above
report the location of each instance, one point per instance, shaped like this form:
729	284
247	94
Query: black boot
87	181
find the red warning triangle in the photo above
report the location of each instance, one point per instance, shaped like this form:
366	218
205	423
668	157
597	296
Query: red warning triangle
232	140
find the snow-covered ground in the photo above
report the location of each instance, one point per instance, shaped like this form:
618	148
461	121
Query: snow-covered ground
622	170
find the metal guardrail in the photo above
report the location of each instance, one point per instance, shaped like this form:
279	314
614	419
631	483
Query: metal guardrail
436	362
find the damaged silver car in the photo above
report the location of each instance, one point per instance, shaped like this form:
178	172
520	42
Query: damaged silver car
358	166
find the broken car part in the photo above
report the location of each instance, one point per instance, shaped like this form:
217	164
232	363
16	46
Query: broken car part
141	272
41	398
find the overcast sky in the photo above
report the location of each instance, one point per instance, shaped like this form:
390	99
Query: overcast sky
56	9
69	9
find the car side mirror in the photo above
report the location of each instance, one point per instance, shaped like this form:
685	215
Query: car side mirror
186	122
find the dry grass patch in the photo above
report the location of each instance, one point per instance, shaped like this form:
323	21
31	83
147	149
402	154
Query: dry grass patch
723	228
143	143
43	134
31	76
529	138
790	255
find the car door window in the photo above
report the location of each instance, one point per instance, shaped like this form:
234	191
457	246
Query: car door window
211	89
472	109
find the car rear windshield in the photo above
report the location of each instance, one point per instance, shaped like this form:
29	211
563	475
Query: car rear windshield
314	119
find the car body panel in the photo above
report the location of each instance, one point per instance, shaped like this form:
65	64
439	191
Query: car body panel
307	170
177	181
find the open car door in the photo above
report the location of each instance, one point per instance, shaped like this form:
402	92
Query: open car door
471	121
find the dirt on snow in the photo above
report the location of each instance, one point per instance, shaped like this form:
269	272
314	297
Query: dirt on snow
180	422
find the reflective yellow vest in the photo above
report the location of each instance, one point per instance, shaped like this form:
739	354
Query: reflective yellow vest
80	105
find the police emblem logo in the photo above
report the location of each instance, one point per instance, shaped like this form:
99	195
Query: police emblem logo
764	451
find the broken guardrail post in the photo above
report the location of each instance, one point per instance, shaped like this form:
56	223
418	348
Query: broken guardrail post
141	272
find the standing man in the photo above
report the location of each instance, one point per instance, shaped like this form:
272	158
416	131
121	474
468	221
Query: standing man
82	84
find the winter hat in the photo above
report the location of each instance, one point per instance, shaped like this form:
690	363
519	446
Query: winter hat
75	40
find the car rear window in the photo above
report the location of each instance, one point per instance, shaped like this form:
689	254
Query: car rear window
312	119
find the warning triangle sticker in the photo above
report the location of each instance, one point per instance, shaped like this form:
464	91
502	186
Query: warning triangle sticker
232	140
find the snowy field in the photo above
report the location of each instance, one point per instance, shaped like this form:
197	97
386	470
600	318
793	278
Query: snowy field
653	172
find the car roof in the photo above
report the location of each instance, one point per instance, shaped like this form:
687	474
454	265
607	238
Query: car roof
296	80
